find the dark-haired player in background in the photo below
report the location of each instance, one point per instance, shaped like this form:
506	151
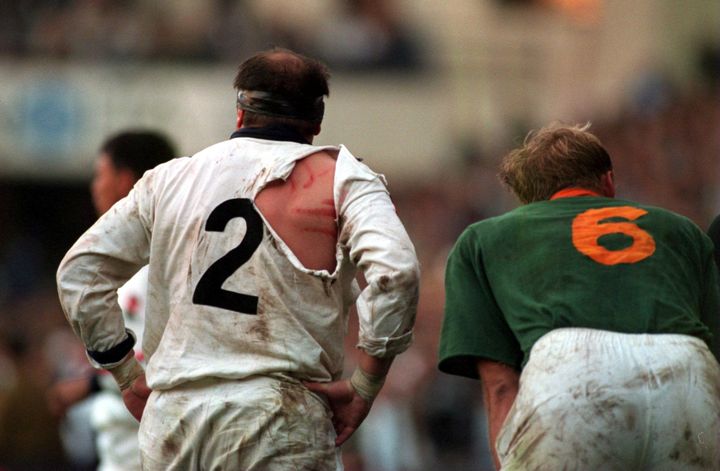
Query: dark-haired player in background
591	321
122	159
253	245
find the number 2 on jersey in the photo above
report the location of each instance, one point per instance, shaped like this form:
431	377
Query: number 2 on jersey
587	228
209	290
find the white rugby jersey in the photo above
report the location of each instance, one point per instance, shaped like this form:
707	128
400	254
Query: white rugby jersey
193	220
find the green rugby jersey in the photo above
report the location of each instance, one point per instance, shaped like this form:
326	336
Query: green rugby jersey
587	261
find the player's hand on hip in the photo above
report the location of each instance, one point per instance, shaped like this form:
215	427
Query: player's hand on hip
135	397
348	408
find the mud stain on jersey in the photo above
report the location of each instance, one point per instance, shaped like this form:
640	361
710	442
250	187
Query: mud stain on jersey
686	451
259	328
172	445
631	419
259	324
260	176
651	379
327	284
383	283
292	398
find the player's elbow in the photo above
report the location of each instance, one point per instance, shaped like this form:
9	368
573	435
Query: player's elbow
66	285
62	275
404	280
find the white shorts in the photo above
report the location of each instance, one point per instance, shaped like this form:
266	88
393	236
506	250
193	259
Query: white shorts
258	423
596	400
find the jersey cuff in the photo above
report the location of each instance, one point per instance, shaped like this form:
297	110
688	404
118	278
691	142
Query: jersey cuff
386	346
114	356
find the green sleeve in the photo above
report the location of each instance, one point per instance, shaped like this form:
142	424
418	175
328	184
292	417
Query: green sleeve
714	233
473	326
710	304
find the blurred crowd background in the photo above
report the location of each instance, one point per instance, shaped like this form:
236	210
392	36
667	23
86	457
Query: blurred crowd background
430	93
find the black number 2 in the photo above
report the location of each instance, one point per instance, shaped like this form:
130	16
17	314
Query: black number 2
209	290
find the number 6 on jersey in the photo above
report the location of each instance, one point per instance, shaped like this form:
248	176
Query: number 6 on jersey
588	227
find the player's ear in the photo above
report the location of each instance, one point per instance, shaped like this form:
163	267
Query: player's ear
240	117
607	182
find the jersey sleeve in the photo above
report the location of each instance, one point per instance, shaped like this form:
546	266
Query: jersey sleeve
473	325
99	263
379	246
710	304
714	233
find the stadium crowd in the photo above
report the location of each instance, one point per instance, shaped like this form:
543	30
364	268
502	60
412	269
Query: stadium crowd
374	35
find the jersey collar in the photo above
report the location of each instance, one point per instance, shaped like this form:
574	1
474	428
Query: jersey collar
573	192
271	133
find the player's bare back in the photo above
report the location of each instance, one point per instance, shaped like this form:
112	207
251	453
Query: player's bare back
301	211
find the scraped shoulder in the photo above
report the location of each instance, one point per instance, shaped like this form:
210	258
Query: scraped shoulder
301	210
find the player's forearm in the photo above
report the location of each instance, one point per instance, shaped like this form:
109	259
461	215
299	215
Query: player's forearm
500	386
369	377
374	365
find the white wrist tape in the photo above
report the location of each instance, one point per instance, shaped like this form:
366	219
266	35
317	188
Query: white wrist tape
126	372
366	385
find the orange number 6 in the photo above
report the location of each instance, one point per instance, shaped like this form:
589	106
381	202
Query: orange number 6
587	228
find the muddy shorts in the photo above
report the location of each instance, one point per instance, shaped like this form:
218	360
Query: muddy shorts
596	400
258	423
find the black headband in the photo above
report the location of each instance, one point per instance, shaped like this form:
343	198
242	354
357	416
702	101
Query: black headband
269	104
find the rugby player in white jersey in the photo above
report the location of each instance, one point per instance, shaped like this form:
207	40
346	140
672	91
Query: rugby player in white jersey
122	159
253	246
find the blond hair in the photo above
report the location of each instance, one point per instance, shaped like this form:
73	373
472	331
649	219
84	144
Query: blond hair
552	158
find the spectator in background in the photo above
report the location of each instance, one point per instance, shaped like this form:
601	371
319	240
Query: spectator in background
122	160
368	35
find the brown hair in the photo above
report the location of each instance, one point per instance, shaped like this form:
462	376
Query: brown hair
287	75
555	157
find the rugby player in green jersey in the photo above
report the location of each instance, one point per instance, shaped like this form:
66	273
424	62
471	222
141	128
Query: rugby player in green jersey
591	321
